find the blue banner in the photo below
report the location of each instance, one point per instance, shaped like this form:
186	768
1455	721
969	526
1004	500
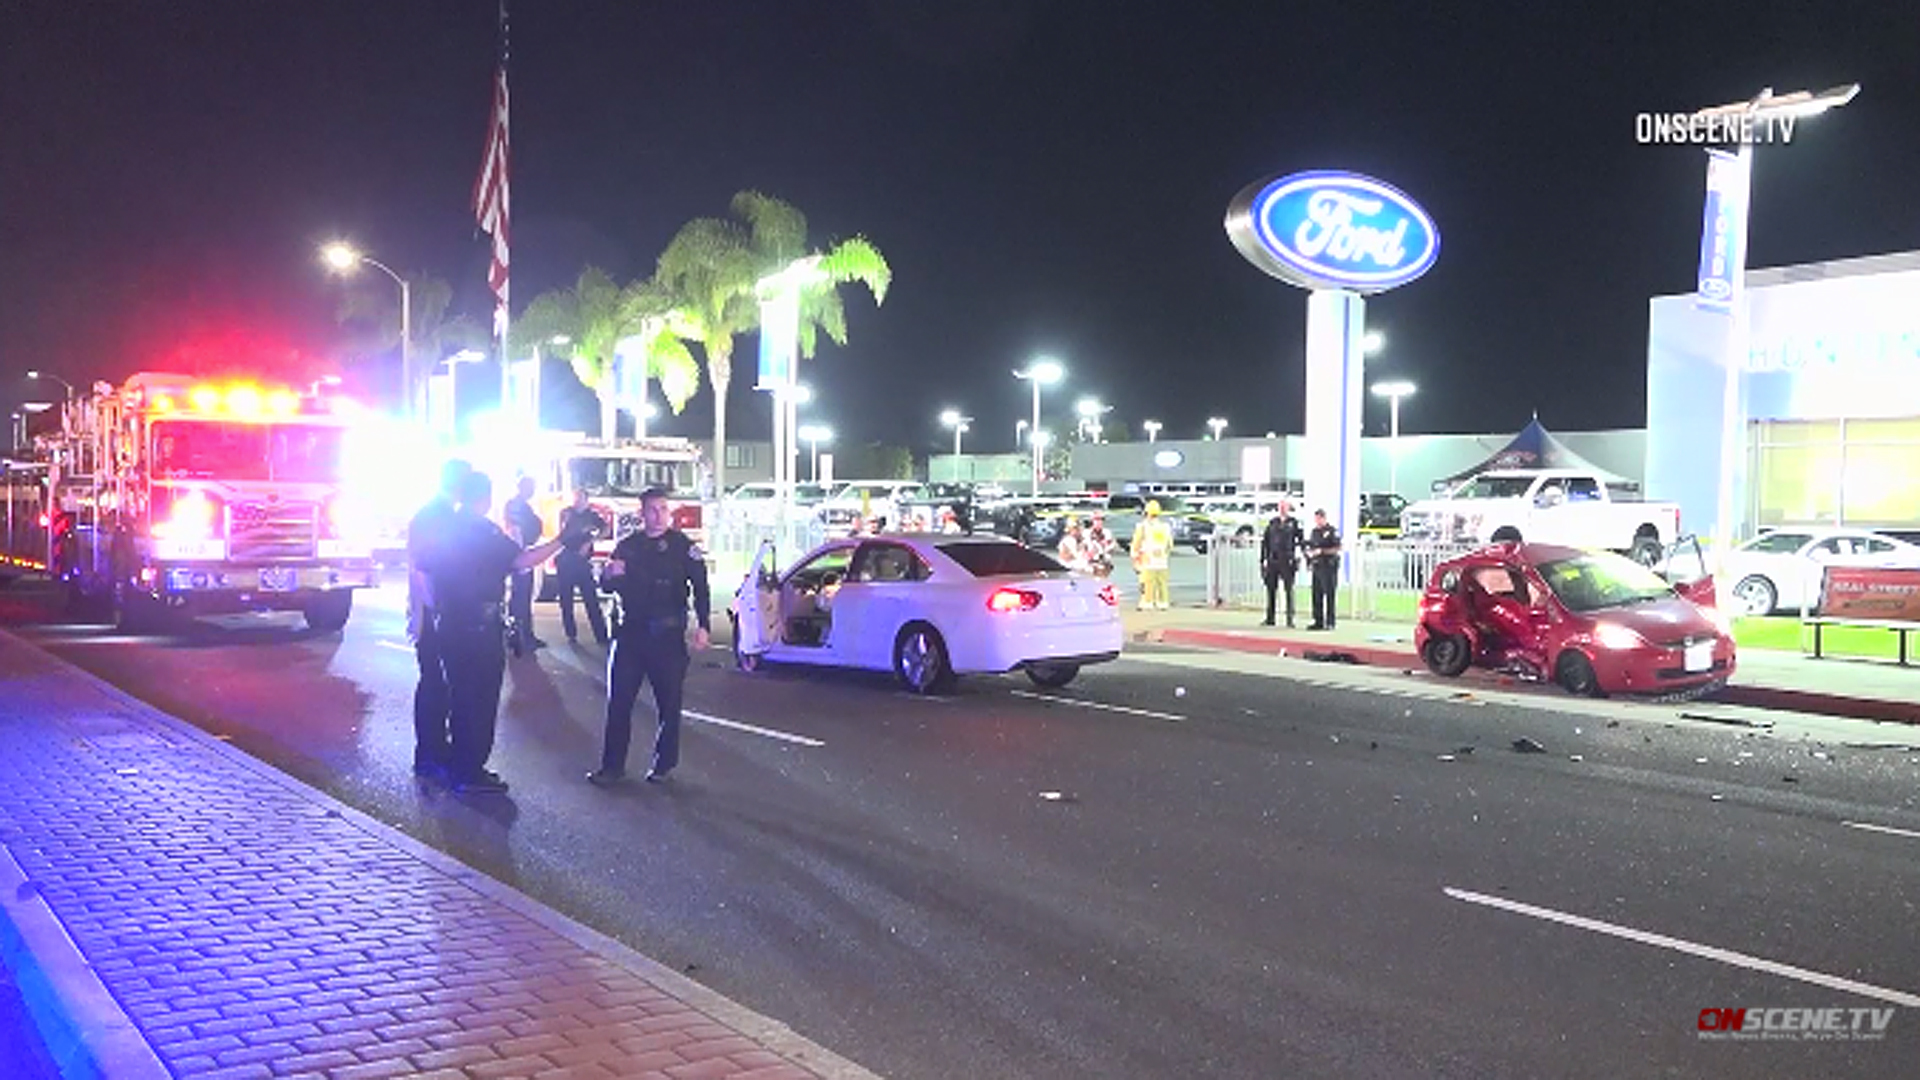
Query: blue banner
1723	235
779	337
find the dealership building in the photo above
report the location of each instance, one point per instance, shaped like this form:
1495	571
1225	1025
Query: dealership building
1829	399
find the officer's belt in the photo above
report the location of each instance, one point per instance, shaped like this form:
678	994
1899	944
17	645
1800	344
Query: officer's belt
488	617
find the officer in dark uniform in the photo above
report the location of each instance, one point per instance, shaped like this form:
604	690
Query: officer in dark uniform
574	567
652	571
467	570
1280	558
523	524
431	698
1323	555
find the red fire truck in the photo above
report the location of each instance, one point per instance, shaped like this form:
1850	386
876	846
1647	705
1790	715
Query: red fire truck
175	495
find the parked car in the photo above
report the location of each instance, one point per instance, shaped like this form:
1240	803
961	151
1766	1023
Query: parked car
1592	621
757	503
1380	513
1556	506
878	501
1780	568
927	608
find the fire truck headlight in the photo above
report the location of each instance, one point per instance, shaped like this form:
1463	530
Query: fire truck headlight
194	516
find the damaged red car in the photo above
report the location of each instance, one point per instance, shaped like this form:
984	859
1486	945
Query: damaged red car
1594	622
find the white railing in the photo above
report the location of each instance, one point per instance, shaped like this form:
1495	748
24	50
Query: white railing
1375	570
731	544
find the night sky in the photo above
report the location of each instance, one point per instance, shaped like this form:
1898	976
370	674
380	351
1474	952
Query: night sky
1044	177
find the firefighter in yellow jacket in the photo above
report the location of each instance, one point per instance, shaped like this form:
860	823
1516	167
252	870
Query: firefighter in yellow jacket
1152	550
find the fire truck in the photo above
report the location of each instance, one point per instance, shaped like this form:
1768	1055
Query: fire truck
171	495
613	476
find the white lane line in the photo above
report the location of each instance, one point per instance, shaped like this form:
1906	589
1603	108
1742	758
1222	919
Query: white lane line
1127	709
784	736
395	645
1709	952
1881	828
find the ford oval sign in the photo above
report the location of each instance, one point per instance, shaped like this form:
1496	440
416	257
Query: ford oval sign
1333	230
1168	459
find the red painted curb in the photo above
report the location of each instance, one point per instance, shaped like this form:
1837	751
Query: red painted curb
1778	699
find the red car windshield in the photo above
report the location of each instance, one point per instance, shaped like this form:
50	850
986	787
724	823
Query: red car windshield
216	450
1595	581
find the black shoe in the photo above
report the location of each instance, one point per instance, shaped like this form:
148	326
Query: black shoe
1266	622
427	770
573	639
606	777
1316	626
536	643
658	776
484	782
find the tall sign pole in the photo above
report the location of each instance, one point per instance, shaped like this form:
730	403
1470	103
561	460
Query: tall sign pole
1342	237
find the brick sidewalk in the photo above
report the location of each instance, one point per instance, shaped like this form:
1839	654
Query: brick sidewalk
250	926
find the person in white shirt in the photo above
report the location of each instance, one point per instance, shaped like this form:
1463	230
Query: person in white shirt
1073	549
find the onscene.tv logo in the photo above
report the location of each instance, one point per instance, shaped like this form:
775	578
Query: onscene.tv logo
1796	1024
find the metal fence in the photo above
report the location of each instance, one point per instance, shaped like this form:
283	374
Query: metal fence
732	543
1381	578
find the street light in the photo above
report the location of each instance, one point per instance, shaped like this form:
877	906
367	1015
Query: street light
1020	433
1152	428
952	418
1765	106
1393	390
1043	371
814	435
344	259
1372	342
34	373
1091	411
1218	424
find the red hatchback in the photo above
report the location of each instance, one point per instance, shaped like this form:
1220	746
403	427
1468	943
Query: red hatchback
1594	622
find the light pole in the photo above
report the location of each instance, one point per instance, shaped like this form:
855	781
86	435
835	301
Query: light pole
1372	343
1042	371
1090	411
1393	390
1152	428
815	434
35	373
1762	109
1218	424
951	418
1020	433
343	258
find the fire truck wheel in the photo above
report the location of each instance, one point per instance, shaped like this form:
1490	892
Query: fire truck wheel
328	612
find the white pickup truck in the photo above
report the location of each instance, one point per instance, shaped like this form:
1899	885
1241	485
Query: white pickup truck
1554	506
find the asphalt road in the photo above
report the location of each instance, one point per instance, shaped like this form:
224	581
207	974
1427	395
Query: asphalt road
1183	866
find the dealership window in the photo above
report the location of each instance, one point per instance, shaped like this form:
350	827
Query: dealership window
739	457
1856	472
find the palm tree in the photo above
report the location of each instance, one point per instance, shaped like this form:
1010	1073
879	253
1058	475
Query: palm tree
371	317
713	266
595	317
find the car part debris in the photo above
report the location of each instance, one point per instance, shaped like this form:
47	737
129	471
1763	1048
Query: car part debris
1525	745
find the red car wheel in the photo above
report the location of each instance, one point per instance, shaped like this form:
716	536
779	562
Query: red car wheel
1448	654
1574	672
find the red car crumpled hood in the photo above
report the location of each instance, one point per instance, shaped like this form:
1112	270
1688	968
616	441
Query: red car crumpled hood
1660	621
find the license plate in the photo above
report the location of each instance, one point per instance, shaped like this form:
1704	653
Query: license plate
1074	606
1700	656
279	579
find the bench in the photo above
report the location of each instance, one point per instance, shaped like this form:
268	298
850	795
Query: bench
1870	598
1818	622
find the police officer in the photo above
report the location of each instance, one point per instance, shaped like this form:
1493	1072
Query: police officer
1323	556
574	567
523	524
431	698
467	570
652	571
1280	558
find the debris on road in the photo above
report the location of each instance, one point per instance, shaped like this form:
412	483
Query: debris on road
1613	723
1179	691
1730	721
1057	796
1716	796
1525	745
1576	757
1464	750
1329	657
1373	746
1789	779
1446	757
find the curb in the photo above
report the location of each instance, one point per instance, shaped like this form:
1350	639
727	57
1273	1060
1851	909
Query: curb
1777	699
775	1035
88	1034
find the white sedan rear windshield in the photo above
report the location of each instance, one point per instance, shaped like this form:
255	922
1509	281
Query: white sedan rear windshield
999	560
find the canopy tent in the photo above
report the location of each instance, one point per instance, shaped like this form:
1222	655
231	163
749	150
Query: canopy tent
1535	448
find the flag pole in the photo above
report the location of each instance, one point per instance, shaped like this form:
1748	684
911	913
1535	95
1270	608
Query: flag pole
505	315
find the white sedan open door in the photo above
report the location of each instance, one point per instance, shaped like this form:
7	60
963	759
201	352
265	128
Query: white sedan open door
757	605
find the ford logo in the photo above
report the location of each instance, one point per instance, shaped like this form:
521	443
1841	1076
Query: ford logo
1714	288
1169	459
1333	230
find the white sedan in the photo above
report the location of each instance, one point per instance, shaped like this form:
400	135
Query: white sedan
927	608
1780	568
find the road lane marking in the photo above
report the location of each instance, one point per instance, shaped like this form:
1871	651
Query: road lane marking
395	645
1881	828
784	736
1709	952
1127	709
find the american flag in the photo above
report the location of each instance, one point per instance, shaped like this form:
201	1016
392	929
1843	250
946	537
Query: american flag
490	191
